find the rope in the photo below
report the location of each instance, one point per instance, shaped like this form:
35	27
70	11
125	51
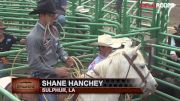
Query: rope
52	33
62	30
14	61
69	97
77	73
79	63
45	97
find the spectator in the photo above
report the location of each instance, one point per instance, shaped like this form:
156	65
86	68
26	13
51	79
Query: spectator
61	6
175	43
6	42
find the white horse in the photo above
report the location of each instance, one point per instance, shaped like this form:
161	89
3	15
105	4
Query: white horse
116	66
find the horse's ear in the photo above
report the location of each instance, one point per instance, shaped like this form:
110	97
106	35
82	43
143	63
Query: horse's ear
136	49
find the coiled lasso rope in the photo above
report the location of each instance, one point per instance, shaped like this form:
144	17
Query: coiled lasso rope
77	73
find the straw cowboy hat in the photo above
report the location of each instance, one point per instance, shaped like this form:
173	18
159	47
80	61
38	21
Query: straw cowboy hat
174	30
177	29
171	30
45	6
106	40
2	25
81	9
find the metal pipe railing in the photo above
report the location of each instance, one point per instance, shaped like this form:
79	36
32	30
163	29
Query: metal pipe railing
8	94
166	96
168	84
164	47
14	68
165	71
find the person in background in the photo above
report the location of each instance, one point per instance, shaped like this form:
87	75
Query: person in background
119	5
61	6
6	42
175	43
106	45
44	48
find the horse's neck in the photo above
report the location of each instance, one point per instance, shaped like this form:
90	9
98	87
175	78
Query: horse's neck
101	69
107	70
5	81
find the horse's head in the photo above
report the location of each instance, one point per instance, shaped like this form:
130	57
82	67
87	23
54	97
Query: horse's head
128	63
139	70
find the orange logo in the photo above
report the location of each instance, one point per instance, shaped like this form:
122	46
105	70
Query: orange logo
25	85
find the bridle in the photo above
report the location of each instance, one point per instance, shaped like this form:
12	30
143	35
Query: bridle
143	78
131	60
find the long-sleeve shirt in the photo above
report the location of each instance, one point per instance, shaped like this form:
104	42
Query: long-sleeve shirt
98	59
6	44
44	50
173	44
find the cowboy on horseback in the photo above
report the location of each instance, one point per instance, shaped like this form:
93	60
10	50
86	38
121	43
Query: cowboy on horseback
43	46
106	44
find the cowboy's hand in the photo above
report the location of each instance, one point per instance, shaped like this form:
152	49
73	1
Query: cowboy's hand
62	71
23	41
69	61
4	60
174	57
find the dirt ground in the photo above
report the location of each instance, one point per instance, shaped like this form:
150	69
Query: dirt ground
175	13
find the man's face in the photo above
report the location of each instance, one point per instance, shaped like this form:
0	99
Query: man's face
1	30
50	18
105	51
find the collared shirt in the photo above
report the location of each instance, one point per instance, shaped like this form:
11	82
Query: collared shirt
6	44
173	44
98	59
44	50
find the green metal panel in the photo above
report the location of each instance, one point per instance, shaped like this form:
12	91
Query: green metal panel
83	28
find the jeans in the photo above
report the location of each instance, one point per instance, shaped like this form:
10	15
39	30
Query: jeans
49	97
44	97
2	66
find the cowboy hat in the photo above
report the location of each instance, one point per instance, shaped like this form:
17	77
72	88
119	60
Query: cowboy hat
2	25
177	29
45	6
107	41
81	9
171	29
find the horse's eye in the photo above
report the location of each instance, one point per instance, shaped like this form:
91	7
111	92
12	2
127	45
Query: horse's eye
143	66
